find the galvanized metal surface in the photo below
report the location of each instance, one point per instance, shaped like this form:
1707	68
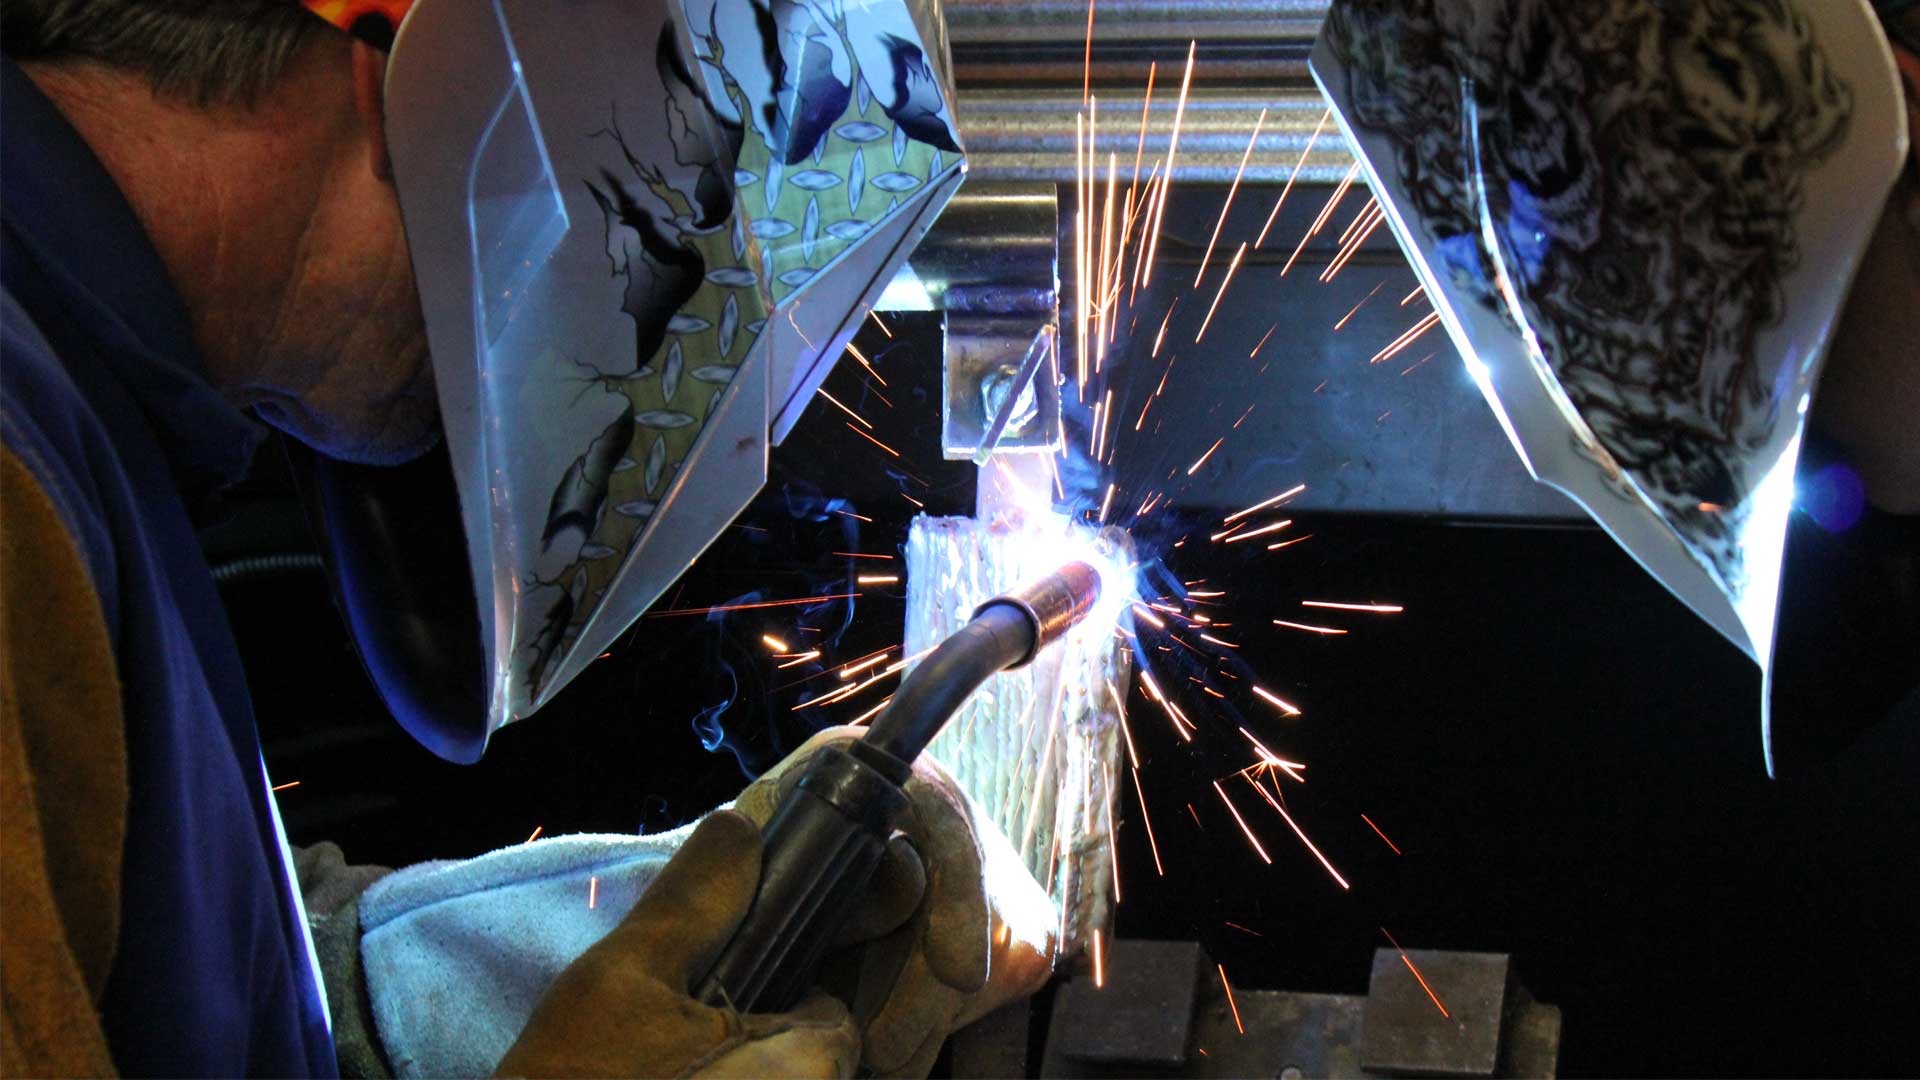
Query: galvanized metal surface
1029	134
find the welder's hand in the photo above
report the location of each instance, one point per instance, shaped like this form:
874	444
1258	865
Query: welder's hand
952	928
624	1008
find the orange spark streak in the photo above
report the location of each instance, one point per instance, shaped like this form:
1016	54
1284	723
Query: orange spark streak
1173	146
1284	706
1282	200
1359	219
1230	1004
1261	531
913	500
537	829
1417	290
1224	282
1080	250
1140	145
1381	835
1243	823
865	662
1148	200
799	658
1258	122
1332	201
1086	70
1316	851
1245	930
1162	334
1384	609
1106	503
1263	340
861	357
285	786
873	440
837	404
593	893
1259	506
1243	418
1309	629
860	555
1289	543
869	714
1356	308
1417	975
1425	324
1353	247
774	643
1195	467
877	321
856	517
1152	844
751	607
1099	963
1120	708
877	579
1224	644
1149	616
1106	268
1268	757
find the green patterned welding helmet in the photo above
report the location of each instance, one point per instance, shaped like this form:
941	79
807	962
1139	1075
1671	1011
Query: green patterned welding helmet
643	232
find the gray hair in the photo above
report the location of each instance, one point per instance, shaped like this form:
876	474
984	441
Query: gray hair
208	52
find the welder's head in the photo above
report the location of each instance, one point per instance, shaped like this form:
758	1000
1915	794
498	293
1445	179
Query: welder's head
642	234
310	315
1639	222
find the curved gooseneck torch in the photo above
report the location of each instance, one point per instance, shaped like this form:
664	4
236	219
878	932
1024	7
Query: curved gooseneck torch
825	840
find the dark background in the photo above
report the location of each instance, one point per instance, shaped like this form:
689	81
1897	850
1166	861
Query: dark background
1569	760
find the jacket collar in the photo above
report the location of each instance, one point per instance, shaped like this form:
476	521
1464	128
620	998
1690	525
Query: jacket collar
64	212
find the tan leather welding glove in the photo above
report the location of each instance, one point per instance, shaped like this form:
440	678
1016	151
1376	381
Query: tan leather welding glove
624	1008
953	927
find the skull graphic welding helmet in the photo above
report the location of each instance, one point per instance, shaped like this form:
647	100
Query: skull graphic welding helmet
1637	221
642	232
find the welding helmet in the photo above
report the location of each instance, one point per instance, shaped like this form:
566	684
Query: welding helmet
642	234
1638	221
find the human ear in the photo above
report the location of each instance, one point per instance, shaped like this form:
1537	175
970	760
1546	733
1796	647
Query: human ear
369	98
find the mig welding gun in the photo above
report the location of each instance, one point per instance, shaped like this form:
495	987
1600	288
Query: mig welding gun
825	840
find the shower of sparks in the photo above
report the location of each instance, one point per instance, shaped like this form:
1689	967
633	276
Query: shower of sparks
753	607
1381	835
1416	974
1292	176
1383	609
285	786
1229	989
1235	811
774	643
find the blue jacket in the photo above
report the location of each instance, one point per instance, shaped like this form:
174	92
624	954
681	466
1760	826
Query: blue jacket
102	396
